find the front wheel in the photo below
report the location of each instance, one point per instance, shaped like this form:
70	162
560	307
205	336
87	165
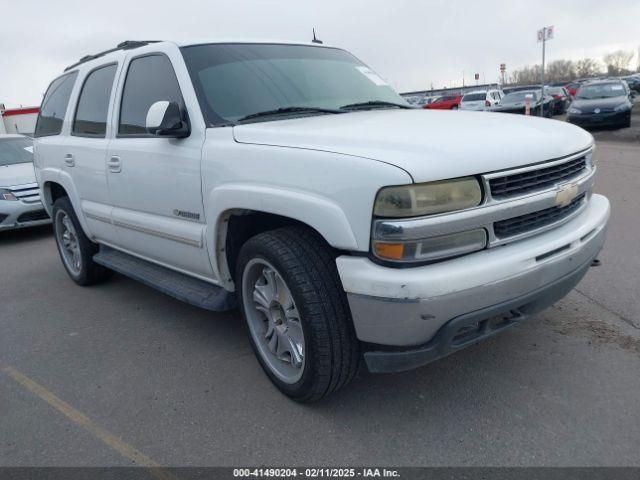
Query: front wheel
455	107
297	313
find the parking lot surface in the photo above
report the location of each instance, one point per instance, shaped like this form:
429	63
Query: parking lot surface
119	373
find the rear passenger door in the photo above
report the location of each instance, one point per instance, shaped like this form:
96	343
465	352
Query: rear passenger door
86	149
155	182
49	141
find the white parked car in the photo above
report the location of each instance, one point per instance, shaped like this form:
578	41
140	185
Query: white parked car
481	99
292	181
20	204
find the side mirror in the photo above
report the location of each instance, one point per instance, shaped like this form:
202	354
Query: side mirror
167	119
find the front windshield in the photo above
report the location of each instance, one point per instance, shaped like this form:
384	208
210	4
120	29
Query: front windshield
601	90
516	97
15	150
233	81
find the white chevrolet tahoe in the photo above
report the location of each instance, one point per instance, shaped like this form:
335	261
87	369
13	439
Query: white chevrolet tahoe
291	181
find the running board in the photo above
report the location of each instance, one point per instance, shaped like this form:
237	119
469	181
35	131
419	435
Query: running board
178	285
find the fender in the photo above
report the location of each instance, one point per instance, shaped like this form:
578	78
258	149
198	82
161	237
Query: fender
64	179
318	212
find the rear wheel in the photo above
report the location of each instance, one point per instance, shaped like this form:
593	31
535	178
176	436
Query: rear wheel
296	312
75	248
455	107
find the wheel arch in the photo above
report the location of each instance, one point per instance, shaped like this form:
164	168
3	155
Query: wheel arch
62	185
239	212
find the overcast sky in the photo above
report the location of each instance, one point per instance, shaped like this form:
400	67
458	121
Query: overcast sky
412	44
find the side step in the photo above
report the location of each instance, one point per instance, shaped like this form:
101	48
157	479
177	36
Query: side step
178	285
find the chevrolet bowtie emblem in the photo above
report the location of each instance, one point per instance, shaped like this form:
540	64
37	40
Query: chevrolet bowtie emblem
566	193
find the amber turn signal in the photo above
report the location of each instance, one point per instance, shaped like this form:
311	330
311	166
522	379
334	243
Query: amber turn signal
393	251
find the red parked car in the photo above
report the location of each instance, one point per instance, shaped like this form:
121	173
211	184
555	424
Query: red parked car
448	102
572	88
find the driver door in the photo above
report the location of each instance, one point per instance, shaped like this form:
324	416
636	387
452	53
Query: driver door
154	182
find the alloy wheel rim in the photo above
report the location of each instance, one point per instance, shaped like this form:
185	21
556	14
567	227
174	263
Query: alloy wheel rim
274	320
68	243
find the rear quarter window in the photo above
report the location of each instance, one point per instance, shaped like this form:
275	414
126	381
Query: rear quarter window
54	105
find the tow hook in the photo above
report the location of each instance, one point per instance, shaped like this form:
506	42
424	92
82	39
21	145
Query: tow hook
596	263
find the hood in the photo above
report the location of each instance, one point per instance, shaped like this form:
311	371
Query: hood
428	144
604	104
17	174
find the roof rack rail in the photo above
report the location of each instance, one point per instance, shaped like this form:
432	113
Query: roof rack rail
126	45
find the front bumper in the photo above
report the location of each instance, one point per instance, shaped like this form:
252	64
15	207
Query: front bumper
600	119
18	214
409	307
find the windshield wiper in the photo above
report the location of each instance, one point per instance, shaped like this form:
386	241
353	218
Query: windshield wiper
288	110
373	104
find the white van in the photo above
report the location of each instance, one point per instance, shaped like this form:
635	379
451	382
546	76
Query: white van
481	99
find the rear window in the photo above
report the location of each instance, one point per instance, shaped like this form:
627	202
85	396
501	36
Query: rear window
54	105
93	105
474	97
15	150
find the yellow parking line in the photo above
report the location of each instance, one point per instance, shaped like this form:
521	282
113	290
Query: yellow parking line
85	422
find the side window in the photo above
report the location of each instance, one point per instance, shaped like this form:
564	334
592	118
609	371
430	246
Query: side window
150	79
93	105
54	106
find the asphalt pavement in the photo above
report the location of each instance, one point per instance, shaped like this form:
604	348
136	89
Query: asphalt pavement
119	374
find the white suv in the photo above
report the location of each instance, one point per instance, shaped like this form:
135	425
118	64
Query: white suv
481	99
292	181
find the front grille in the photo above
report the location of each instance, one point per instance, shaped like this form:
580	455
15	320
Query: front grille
532	180
34	216
532	221
26	193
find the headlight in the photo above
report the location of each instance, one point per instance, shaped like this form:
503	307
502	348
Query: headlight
593	157
621	108
433	248
428	198
575	111
7	195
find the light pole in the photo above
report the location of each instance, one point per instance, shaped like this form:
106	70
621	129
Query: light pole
543	35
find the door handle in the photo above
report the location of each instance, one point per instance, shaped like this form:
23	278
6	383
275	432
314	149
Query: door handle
69	161
115	164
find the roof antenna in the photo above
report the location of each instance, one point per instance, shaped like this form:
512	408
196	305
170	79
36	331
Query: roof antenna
315	40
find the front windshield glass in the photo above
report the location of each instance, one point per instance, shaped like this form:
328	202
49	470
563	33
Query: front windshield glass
601	90
516	97
233	81
15	150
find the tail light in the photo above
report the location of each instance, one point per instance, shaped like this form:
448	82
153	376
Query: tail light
487	103
557	97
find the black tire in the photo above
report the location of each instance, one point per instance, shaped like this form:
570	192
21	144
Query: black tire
307	265
455	107
89	272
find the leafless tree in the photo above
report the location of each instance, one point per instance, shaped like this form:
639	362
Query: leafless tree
526	75
560	71
618	62
588	67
